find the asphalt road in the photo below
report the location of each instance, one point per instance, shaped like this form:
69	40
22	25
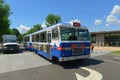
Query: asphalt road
33	67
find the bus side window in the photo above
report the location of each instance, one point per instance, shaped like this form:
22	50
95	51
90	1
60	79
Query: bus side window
33	38
40	37
43	37
37	37
49	37
55	35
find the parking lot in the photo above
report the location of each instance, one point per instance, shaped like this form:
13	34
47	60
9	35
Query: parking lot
22	60
27	65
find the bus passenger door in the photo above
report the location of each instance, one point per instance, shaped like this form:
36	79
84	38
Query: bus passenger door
48	41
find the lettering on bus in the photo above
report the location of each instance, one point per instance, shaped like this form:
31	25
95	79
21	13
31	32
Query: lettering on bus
76	24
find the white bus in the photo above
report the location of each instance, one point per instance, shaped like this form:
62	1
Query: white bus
61	42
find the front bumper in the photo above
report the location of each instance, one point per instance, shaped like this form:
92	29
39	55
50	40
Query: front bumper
11	49
74	58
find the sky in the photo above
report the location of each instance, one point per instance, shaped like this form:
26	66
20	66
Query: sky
97	15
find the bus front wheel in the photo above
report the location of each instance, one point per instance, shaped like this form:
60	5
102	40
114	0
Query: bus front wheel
55	60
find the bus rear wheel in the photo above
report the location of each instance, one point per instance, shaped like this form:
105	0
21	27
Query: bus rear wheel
80	60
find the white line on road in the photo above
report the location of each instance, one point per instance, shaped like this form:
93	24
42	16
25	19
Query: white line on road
94	75
112	61
79	77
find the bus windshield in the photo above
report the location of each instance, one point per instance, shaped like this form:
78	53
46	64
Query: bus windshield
74	34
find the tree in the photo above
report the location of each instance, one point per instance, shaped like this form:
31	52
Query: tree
52	19
20	38
15	32
37	27
4	18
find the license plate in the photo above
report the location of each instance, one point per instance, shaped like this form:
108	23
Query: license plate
11	49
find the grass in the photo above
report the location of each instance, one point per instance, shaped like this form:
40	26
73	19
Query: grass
115	52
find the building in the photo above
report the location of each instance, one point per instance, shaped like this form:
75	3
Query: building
106	38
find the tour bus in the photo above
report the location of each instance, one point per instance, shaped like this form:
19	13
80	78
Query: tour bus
61	42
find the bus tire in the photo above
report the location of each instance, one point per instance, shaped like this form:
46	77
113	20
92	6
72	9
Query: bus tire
61	63
35	51
80	60
55	60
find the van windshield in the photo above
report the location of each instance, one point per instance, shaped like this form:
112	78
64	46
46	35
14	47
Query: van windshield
8	40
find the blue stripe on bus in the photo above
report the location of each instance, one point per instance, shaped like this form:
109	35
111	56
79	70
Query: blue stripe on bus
43	53
63	53
78	43
69	52
29	47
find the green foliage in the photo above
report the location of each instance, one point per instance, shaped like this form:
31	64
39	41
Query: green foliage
4	18
52	19
15	32
115	52
10	31
35	28
20	38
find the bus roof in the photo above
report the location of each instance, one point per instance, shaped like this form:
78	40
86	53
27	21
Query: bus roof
58	25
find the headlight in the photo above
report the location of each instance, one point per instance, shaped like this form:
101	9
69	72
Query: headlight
4	46
18	46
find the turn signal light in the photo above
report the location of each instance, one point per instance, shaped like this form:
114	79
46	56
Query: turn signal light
60	48
82	45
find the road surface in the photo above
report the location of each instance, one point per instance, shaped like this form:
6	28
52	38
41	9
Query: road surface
29	66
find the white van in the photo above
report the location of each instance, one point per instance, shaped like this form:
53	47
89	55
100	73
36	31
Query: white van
10	44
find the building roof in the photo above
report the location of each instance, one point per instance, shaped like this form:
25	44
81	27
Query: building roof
101	32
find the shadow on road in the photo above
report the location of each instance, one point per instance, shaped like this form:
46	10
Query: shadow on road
78	63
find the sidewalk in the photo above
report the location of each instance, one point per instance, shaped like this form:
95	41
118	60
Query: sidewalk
107	48
98	51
